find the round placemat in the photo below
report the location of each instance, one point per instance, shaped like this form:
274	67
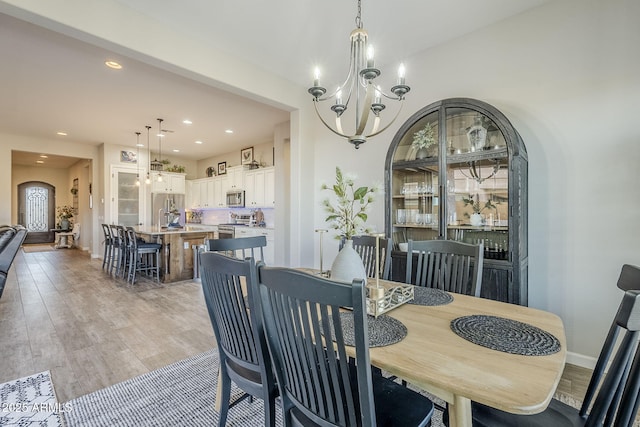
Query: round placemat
383	330
509	336
430	296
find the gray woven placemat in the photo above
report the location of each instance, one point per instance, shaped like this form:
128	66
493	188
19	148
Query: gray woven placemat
509	336
383	330
430	296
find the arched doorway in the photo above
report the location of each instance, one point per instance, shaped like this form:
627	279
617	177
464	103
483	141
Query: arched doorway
37	210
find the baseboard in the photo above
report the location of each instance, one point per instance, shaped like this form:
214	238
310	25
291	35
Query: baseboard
581	360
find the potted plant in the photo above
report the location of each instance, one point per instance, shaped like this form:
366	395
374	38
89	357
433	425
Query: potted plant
64	214
348	216
476	217
422	140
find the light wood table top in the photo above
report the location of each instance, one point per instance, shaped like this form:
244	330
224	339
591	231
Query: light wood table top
439	361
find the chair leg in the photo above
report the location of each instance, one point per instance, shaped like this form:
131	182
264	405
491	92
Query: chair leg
224	397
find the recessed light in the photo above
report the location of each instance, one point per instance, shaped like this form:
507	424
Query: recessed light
228	131
44	156
113	64
40	161
187	122
139	145
160	135
175	150
198	142
61	133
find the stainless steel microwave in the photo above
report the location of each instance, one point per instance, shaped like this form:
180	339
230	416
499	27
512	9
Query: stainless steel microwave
235	199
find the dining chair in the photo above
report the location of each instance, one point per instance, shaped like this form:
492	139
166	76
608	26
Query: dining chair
319	383
244	358
366	248
240	247
446	264
611	399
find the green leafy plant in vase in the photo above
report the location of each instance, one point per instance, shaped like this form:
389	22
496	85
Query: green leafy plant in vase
348	216
422	140
476	216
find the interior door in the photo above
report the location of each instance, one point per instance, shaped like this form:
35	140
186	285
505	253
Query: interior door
37	211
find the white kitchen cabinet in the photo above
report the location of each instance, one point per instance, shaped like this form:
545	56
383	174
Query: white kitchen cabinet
206	193
194	200
269	250
269	188
259	188
173	183
235	178
220	186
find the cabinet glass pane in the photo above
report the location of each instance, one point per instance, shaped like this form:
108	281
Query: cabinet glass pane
414	183
420	142
477	182
128	199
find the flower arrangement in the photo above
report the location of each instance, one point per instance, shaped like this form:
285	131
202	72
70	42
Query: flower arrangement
349	215
65	212
424	138
475	204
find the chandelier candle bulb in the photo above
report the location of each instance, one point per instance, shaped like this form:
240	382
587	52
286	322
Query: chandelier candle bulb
370	57
316	77
401	72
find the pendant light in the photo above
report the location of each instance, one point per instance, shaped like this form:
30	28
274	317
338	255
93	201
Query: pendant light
160	147
148	180
138	159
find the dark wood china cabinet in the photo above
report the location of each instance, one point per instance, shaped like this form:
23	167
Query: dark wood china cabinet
468	184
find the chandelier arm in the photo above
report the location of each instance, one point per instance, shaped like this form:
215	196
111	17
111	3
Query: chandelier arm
366	109
388	124
315	104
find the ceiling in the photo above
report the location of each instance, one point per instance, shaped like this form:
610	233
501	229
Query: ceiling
52	82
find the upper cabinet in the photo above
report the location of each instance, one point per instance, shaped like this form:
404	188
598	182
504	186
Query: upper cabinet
235	178
171	183
259	188
457	170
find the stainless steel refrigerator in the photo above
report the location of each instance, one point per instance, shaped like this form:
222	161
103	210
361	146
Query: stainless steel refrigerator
167	209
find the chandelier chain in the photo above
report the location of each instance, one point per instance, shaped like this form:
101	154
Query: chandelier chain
359	16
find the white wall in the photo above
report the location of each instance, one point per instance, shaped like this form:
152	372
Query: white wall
567	75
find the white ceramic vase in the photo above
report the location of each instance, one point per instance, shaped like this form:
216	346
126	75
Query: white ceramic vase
476	219
348	265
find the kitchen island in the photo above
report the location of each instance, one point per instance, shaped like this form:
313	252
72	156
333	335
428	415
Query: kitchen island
177	254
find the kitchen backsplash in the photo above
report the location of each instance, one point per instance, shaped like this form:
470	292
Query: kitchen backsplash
221	216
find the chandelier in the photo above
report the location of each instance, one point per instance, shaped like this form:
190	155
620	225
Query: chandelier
359	89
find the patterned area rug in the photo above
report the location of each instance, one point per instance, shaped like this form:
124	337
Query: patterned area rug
181	394
30	401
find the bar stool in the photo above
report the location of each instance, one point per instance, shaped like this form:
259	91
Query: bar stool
143	258
108	246
117	233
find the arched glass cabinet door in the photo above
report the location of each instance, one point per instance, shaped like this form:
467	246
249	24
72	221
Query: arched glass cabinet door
457	170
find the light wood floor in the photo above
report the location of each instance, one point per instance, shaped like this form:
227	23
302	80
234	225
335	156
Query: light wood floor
61	312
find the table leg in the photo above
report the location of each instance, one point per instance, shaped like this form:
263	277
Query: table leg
460	412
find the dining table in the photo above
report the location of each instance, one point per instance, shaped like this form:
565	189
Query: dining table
438	360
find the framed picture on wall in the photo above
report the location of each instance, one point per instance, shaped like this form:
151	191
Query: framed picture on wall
128	157
246	156
222	168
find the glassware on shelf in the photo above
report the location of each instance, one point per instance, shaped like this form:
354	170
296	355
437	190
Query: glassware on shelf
401	216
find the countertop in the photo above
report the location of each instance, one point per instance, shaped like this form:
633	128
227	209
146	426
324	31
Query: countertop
206	227
183	230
